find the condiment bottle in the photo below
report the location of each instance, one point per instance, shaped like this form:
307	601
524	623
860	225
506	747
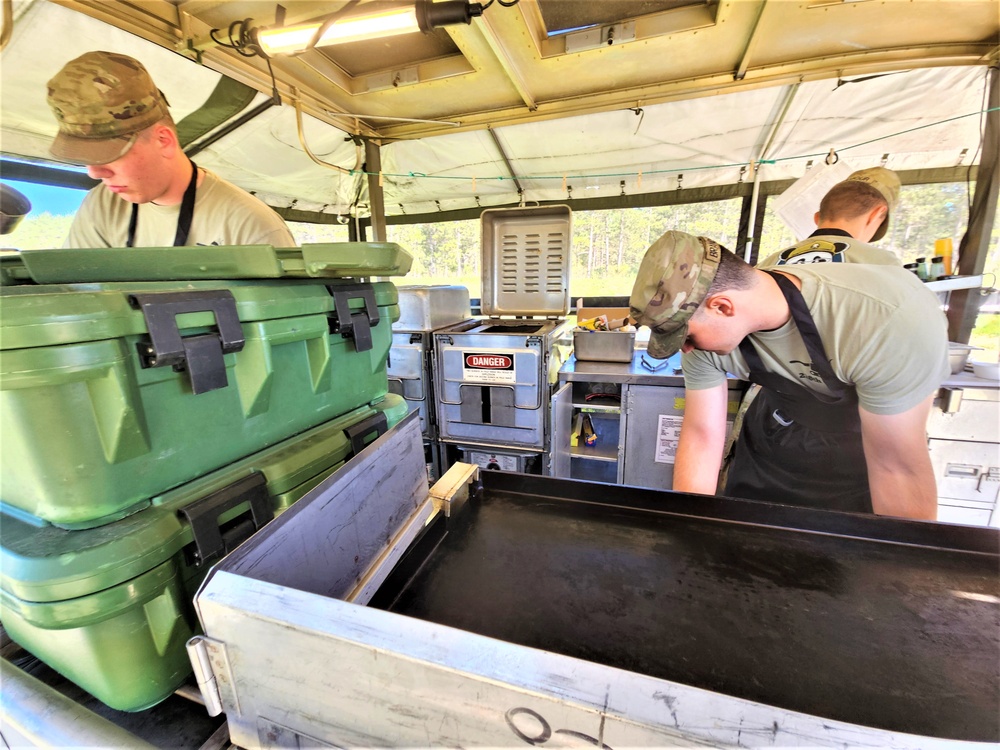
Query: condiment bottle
937	268
912	267
943	248
923	269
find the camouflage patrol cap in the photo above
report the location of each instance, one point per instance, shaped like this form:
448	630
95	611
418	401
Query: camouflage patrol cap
674	277
102	101
887	183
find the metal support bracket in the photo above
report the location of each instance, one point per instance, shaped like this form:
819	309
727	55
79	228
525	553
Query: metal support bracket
357	325
200	355
452	491
204	514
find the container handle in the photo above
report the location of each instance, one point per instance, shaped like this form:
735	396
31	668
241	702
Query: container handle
205	516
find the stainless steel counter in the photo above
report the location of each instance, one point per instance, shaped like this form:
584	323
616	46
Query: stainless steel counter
968	380
669	374
632	373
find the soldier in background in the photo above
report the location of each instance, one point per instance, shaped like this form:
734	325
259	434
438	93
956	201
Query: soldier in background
114	120
853	213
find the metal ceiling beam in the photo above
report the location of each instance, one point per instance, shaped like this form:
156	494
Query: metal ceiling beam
867	63
509	67
149	21
753	38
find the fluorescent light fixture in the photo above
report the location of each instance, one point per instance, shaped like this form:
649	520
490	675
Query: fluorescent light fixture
402	18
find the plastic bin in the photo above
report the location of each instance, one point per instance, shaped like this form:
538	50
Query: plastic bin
110	608
111	393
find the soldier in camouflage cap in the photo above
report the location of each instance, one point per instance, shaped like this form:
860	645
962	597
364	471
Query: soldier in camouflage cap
114	120
673	279
847	358
102	101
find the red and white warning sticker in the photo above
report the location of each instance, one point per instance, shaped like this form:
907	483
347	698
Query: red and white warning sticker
488	367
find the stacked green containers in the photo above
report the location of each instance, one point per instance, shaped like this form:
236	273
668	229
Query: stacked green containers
153	416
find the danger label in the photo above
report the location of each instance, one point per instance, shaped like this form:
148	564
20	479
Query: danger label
488	367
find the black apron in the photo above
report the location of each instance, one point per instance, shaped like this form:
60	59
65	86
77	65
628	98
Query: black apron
797	446
183	218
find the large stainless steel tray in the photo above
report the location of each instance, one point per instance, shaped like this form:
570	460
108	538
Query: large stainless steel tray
878	622
526	260
546	608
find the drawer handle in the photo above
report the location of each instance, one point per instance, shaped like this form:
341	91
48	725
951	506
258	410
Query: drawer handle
962	471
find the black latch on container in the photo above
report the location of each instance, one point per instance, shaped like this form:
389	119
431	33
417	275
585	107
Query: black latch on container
212	537
357	326
202	355
358	432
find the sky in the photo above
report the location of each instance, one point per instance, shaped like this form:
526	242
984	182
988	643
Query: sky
56	200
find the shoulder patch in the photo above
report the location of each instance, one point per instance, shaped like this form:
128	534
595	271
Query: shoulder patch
814	251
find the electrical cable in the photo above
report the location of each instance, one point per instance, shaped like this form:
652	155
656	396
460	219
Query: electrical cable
242	42
504	3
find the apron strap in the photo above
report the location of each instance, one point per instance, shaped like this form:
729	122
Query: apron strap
184	219
810	337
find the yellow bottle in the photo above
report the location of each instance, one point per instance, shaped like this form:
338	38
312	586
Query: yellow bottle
943	248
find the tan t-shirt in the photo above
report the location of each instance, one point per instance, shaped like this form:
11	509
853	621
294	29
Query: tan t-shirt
830	248
223	215
883	331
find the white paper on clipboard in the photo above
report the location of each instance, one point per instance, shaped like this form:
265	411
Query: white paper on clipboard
797	206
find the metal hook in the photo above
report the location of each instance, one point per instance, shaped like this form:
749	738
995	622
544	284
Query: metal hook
832	157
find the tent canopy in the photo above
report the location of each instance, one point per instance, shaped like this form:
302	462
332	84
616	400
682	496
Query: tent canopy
531	102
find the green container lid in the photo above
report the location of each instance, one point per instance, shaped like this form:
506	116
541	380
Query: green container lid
336	260
48	315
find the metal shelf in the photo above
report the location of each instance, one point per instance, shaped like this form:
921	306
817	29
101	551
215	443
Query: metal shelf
595	453
958	282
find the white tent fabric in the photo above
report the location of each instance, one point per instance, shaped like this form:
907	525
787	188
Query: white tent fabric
908	120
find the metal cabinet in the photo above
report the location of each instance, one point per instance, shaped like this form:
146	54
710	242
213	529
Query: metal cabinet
635	414
964	439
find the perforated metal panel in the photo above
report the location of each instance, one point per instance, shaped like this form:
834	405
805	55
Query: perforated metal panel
526	258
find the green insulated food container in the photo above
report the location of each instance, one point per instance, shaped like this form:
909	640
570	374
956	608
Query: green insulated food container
113	392
110	608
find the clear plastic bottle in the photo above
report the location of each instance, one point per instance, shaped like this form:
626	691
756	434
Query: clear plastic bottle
937	268
923	269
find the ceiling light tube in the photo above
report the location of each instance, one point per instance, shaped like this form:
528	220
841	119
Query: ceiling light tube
407	18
